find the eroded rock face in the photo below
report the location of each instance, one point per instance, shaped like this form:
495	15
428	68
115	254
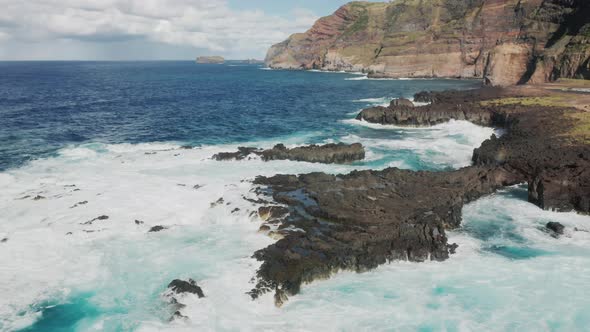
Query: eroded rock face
505	42
328	154
423	116
557	170
361	220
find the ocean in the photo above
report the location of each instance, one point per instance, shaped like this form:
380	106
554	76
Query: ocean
79	140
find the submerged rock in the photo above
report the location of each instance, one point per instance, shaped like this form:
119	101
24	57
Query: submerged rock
180	287
99	218
156	229
328	154
78	204
556	227
217	202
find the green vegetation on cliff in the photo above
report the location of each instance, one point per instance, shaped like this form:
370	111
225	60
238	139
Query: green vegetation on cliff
505	42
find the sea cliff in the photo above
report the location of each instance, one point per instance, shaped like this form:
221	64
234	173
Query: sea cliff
504	42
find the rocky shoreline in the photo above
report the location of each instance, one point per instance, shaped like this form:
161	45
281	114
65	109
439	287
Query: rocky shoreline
328	154
364	219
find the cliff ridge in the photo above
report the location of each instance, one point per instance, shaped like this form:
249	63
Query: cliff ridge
504	42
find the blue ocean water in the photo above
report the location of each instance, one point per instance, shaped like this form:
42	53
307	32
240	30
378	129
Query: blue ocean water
45	106
103	138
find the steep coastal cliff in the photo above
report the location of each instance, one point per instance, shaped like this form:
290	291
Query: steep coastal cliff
504	42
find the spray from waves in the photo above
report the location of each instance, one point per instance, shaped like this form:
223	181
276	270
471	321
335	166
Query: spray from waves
382	101
155	184
385	101
360	78
448	145
110	273
136	187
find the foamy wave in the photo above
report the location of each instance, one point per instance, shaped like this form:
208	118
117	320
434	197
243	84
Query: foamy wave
385	101
449	144
376	101
360	78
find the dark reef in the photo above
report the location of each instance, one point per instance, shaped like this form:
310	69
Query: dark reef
358	221
327	154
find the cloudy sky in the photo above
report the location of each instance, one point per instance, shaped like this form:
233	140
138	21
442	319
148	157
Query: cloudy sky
150	29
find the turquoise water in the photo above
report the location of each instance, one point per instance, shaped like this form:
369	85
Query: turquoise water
109	134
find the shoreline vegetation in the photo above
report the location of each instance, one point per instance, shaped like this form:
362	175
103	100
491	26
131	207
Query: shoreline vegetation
358	221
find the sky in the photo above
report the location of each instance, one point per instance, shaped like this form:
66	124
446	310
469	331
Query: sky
151	29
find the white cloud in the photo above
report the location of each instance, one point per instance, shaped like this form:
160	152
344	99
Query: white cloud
209	25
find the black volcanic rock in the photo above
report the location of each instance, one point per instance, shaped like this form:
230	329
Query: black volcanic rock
536	142
242	153
156	229
329	154
361	220
421	116
401	102
556	227
180	287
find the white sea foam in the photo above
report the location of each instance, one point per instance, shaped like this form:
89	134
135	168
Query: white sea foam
154	183
360	78
126	268
473	291
382	101
449	144
385	101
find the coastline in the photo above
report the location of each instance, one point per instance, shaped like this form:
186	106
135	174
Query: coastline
534	150
212	242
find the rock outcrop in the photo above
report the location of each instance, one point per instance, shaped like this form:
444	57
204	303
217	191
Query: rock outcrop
504	42
555	227
363	219
181	286
538	143
328	154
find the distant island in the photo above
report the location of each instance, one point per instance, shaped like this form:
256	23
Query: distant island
211	59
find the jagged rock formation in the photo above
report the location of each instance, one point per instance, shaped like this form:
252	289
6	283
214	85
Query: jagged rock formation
503	41
328	154
363	219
